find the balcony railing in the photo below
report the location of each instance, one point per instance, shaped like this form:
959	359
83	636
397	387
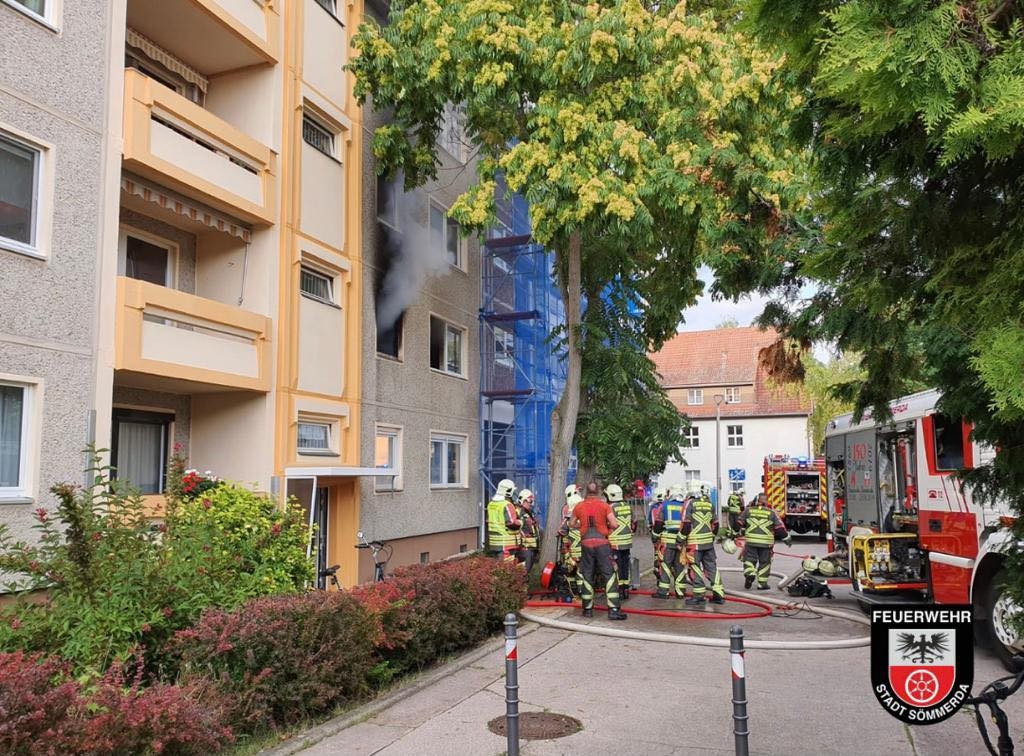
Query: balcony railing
190	341
177	143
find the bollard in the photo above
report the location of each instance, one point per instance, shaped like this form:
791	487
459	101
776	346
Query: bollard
511	685
634	574
739	692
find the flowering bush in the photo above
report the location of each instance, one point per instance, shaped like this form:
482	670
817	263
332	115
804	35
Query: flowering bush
282	659
44	711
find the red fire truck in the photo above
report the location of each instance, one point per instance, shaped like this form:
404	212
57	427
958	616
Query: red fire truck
910	530
795	487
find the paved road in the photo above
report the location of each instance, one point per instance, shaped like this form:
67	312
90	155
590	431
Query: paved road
656	698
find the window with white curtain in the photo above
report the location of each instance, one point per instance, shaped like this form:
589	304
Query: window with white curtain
695	396
447	461
13	439
139	449
314	438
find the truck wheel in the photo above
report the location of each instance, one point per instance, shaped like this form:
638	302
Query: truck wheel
823	531
996	628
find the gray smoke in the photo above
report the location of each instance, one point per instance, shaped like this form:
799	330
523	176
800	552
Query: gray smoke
412	253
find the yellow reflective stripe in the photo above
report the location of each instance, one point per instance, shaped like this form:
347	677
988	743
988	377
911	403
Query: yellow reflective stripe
498	535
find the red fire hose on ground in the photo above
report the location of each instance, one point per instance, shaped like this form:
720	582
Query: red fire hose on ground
763	609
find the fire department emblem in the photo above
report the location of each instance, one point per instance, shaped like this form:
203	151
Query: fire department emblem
922	660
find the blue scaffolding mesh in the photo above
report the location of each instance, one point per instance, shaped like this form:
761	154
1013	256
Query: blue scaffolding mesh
521	377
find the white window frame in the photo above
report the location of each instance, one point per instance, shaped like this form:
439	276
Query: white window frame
329	450
383	484
50	18
736	485
732	394
734	438
318	125
391	220
329	278
31	403
447	438
451	134
173	252
695	397
42	201
460	240
448	325
691	434
504	347
691	475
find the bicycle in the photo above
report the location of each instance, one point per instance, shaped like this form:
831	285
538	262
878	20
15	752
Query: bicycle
376	547
331	573
991	696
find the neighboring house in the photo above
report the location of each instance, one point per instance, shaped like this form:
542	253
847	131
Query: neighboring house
420	356
58	157
757	418
223	245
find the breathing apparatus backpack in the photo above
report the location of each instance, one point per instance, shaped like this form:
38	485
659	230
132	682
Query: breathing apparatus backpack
810	588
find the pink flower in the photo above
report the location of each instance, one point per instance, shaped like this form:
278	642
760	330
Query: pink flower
15	623
33	566
146	628
41	514
207	503
168	611
97	536
276	529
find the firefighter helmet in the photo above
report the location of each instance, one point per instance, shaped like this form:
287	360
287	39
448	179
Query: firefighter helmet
613	492
572	495
729	546
675	491
659	495
526	497
810	564
827	567
694	488
506	489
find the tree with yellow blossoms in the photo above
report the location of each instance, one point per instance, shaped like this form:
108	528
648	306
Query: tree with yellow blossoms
643	135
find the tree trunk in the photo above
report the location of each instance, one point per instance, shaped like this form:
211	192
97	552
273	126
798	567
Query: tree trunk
563	418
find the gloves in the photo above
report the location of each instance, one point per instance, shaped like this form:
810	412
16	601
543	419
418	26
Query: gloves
788	540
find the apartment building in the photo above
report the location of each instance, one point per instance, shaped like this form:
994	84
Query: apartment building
712	374
55	140
421	370
201	290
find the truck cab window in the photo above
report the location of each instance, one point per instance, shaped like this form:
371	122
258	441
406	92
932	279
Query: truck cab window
949	443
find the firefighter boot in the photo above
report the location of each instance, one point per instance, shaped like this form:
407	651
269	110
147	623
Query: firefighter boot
716	599
588	613
762	586
624	593
617	614
695	601
747	582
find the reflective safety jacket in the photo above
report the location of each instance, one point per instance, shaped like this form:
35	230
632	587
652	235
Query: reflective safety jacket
622	536
572	539
761	524
502	524
700	524
735	503
530	531
672	511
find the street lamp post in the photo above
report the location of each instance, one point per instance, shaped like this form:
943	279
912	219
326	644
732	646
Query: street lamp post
719	398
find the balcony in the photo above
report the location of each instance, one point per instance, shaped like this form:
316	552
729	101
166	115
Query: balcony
179	144
167	340
212	35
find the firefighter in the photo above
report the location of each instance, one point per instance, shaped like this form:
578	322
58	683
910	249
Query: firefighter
571	549
529	531
762	527
700	526
672	577
503	523
621	538
656	524
734	506
595	521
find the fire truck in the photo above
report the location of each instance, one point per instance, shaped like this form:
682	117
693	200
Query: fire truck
908	529
795	487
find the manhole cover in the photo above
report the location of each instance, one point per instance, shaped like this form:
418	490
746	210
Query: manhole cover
539	725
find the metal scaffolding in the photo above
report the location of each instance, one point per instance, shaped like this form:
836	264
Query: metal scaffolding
521	376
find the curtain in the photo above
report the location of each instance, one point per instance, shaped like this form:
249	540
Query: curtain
12	407
140	455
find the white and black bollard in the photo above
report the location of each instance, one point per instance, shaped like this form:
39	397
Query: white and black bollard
739	692
634	573
511	685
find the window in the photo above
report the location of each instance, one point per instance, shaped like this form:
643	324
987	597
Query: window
314	438
331	6
695	396
19	195
144	56
147	261
692	475
14	441
735	486
463	548
388	455
424	557
447	461
387	202
35	8
732	395
389	339
445	346
691	437
316	285
139	448
450	132
444	236
734	436
504	347
317	136
948	437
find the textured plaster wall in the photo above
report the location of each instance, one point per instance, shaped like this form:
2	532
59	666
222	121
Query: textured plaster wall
52	88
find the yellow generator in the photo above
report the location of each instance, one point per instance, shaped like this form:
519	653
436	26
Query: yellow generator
888	562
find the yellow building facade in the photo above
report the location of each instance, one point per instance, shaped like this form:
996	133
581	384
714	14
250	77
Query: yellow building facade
230	305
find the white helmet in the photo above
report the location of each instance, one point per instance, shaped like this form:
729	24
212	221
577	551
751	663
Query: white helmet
613	492
526	497
659	494
827	567
729	546
675	491
572	495
810	564
694	488
506	488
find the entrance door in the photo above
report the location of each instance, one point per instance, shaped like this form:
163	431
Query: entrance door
320	509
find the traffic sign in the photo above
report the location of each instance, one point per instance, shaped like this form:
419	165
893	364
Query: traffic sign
737	474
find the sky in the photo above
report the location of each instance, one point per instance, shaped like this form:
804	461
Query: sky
707	314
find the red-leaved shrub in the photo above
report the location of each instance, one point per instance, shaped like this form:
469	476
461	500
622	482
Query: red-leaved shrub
43	711
282	659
